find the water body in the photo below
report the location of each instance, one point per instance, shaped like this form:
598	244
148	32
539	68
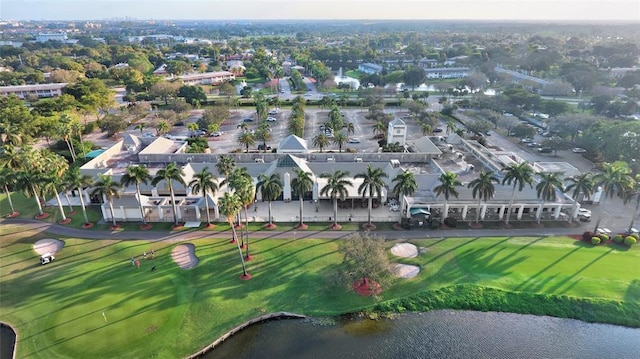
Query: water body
437	334
7	342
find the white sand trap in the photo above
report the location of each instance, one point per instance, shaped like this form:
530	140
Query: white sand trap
405	250
185	256
405	270
48	245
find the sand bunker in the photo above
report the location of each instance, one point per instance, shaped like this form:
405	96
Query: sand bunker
405	250
405	270
185	256
48	245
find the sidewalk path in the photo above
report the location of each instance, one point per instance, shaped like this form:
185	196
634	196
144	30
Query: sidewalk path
185	235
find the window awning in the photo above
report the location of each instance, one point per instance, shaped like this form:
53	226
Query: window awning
424	211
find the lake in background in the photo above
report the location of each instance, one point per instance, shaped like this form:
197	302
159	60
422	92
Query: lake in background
437	334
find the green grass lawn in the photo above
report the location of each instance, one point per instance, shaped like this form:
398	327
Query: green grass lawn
57	309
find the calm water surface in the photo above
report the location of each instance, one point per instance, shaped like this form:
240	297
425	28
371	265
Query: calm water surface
7	341
437	334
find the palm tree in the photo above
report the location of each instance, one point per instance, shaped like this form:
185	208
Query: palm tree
246	139
242	184
169	174
520	174
336	188
53	183
75	180
230	206
379	128
426	128
447	187
263	133
140	126
225	166
137	175
613	180
582	183
64	131
30	182
321	140
301	185
162	127
406	185
192	127
270	188
8	178
372	184
483	188
451	127
204	182
106	187
351	129
632	192
340	139
546	189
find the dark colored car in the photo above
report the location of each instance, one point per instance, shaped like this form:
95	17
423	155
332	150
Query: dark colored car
545	150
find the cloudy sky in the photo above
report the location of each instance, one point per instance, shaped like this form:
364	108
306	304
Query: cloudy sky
322	9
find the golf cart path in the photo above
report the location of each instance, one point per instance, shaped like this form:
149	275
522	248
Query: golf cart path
190	234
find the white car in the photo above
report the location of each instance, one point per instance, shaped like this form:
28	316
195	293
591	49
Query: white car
271	119
578	150
584	212
632	231
606	231
273	111
354	140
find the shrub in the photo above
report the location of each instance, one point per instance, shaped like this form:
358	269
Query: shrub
586	236
434	225
451	222
595	240
603	236
630	240
618	238
635	235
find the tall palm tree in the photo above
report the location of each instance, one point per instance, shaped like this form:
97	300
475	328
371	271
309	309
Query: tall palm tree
230	206
582	183
483	188
426	128
75	180
64	131
53	184
633	192
614	180
321	140
301	185
242	184
162	127
350	127
405	185
247	140
225	166
137	175
270	187
520	174
8	179
204	182
340	139
372	185
140	126
169	174
106	187
192	127
546	189
53	167
336	188
451	127
447	187
30	183
379	128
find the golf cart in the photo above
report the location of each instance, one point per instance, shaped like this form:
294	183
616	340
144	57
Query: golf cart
46	258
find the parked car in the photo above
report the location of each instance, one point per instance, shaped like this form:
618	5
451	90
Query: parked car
248	119
46	258
217	134
437	129
282	91
632	231
584	213
578	150
271	119
354	140
262	147
148	134
545	150
527	140
273	111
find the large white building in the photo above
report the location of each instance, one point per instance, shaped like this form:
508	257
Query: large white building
447	72
208	78
40	90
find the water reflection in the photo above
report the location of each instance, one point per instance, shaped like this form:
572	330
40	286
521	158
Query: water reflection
438	334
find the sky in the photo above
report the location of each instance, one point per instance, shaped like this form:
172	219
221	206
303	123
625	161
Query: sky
575	10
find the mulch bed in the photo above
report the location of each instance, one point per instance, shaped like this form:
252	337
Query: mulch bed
367	287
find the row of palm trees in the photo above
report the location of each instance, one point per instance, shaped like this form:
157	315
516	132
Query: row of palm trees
614	180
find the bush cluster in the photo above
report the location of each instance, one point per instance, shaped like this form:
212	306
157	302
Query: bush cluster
595	240
618	238
451	222
586	236
630	240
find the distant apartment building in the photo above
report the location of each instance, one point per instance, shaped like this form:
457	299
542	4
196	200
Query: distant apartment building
447	72
369	68
40	91
208	78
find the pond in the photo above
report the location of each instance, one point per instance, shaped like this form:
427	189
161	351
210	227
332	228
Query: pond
437	334
7	342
